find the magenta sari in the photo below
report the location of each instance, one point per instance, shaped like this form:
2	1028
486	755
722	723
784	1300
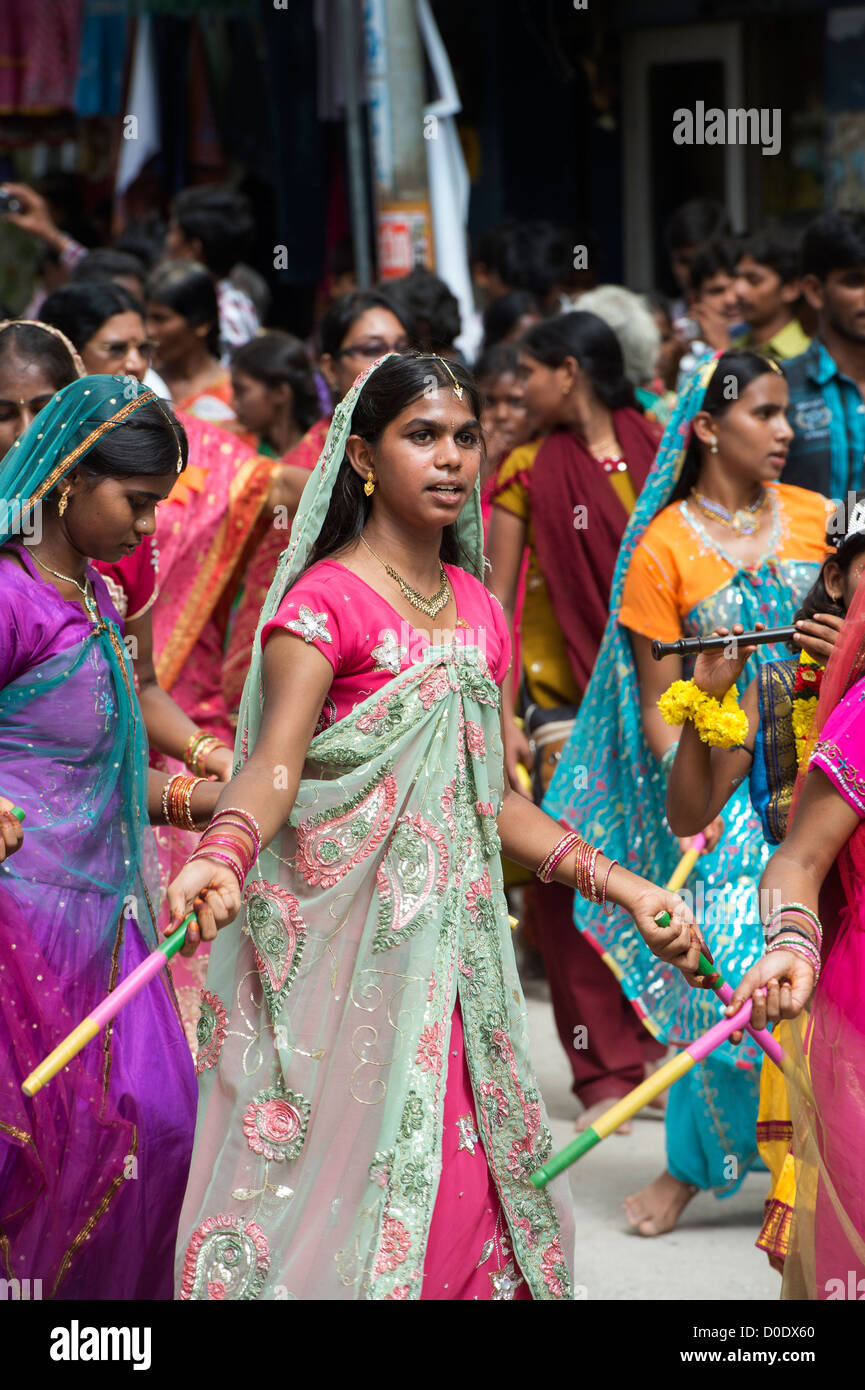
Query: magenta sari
829	1227
204	532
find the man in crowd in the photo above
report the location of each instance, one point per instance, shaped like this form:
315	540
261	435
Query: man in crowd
214	226
768	289
827	381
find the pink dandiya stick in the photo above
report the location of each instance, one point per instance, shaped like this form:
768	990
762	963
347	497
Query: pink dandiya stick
112	1004
648	1090
678	878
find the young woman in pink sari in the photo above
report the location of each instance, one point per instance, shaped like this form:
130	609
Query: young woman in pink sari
368	1118
816	950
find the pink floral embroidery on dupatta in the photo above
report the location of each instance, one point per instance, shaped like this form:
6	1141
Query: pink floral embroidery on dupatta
531	1110
211	1029
275	1123
479	900
434	686
429	1051
393	1249
554	1269
226	1258
329	846
494	1092
475	739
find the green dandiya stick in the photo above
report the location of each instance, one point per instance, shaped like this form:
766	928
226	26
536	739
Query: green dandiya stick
762	1036
641	1095
110	1005
665	1076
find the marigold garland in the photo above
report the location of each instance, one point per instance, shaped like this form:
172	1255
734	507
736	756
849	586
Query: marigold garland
803	718
719	723
806	689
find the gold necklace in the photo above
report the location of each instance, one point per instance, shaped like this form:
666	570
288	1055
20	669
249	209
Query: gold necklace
743	521
430	607
84	589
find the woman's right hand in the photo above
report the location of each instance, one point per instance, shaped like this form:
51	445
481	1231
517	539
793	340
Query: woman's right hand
715	672
517	750
11	830
780	984
208	888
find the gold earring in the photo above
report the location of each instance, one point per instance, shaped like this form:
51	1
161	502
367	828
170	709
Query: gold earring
566	390
64	501
369	485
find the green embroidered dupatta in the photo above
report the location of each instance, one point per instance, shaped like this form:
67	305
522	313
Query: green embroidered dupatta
323	1040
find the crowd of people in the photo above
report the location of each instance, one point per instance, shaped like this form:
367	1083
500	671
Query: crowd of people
219	706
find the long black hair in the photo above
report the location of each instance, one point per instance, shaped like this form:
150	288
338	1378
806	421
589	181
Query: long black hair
390	390
594	345
148	443
189	289
275	358
734	372
843	549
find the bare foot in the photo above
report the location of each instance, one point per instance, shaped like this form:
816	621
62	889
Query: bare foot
595	1112
656	1209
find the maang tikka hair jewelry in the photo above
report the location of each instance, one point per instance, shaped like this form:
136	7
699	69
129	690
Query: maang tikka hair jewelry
458	390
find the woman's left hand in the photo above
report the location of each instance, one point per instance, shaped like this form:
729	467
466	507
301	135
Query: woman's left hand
678	944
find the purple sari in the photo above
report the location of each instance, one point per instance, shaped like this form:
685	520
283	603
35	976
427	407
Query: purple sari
93	1168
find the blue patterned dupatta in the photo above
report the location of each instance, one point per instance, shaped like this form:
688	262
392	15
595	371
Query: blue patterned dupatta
610	786
323	1040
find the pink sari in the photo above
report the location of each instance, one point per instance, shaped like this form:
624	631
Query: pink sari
205	529
826	1256
829	1225
259	574
468	1253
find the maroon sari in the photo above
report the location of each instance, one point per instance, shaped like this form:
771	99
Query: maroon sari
577	550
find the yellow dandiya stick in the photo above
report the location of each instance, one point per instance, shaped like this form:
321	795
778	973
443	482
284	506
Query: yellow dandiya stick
80	1036
648	1090
682	871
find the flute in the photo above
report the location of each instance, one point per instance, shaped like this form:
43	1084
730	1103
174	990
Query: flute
710	642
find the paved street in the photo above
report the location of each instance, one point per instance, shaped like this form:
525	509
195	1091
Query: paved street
710	1255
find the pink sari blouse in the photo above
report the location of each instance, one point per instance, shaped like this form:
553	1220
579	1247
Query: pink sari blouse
365	639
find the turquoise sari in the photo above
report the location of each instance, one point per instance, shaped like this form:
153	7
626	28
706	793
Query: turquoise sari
610	787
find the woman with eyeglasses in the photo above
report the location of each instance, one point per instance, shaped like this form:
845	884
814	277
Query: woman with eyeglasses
356	330
106	323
